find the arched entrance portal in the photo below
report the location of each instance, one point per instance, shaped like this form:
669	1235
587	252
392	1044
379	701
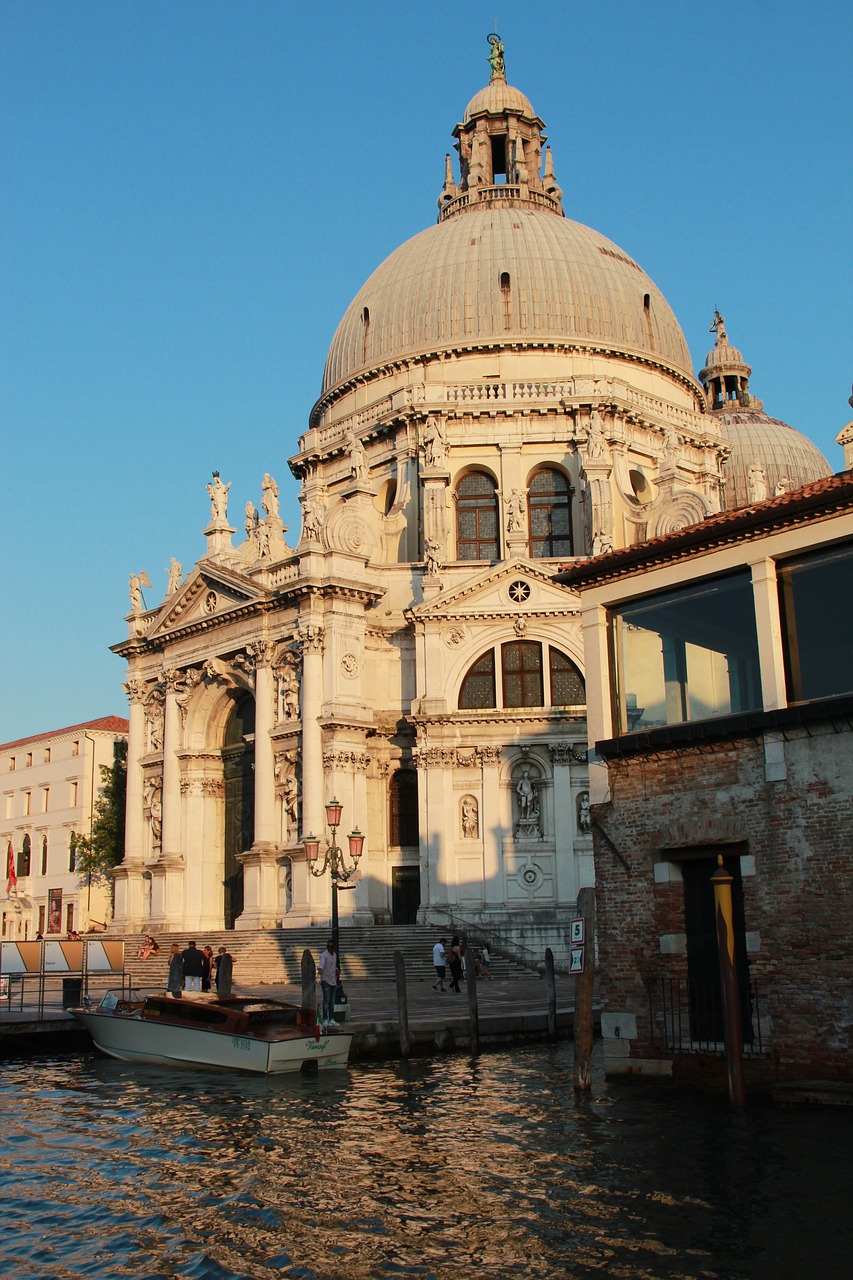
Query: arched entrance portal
238	757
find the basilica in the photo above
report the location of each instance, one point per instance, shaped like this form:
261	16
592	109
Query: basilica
507	394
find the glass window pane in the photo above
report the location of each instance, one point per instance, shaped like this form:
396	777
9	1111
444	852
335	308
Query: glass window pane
549	503
688	654
478	687
816	600
522	674
567	683
476	518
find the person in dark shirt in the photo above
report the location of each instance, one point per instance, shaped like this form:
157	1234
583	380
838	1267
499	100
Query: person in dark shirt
175	980
224	969
193	963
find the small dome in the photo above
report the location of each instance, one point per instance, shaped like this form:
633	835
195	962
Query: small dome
783	456
725	358
497	97
768	456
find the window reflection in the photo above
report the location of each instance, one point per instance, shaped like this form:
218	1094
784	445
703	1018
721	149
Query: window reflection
687	655
816	602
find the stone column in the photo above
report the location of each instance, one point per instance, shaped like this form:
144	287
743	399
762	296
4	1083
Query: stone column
171	837
565	823
265	832
313	796
598	700
769	628
134	831
130	907
260	866
494	889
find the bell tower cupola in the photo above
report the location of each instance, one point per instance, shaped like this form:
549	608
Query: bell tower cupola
500	142
726	374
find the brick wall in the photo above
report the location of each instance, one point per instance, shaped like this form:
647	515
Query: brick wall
795	838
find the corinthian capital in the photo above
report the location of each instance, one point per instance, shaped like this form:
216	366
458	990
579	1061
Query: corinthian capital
135	690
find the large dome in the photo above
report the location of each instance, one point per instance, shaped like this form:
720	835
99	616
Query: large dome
505	275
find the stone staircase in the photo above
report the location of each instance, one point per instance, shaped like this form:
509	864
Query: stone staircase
275	955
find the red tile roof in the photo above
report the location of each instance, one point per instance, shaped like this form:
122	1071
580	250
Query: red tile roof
106	724
815	501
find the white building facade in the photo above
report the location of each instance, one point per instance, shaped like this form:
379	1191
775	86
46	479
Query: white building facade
509	391
51	784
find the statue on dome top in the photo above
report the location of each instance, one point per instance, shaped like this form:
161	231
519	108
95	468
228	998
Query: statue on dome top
719	325
496	57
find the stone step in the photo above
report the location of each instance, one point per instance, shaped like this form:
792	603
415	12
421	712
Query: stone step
275	955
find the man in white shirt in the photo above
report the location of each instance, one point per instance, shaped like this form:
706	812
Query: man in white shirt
439	956
329	974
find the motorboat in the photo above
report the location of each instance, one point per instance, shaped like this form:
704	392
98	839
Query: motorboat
235	1033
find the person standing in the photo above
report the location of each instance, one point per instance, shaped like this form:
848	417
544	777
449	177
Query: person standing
175	981
439	960
207	968
455	959
329	976
224	964
193	962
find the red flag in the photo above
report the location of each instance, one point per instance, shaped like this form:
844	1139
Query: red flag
11	877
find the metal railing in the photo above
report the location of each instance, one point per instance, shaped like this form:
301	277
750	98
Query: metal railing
687	1016
503	944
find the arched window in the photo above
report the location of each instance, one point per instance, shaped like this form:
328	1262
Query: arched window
44	855
550	503
567	683
477	518
72	851
403	827
24	857
529	678
478	687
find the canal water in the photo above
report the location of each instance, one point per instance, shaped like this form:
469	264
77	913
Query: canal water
441	1169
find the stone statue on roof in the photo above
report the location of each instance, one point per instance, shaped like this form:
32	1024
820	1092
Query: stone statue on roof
496	57
218	494
718	325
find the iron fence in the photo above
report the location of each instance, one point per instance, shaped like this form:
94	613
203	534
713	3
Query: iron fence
687	1015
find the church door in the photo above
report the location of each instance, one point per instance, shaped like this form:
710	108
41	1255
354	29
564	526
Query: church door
405	894
238	757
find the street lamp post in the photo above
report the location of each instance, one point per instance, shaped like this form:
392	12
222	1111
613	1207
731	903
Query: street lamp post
334	861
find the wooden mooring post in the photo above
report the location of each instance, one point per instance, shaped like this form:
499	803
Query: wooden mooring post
402	1003
309	980
473	1006
551	993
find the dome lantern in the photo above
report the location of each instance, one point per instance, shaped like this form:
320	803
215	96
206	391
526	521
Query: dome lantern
725	376
500	143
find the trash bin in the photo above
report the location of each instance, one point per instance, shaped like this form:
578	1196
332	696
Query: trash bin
72	992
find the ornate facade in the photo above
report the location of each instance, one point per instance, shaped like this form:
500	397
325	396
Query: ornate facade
508	391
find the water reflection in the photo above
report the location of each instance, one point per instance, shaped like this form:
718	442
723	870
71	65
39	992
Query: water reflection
438	1168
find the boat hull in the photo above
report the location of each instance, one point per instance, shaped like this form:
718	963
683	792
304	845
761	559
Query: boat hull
138	1040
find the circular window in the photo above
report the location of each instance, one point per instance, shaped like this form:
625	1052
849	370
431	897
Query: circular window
519	592
210	602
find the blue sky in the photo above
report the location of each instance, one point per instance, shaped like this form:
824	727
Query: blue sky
192	193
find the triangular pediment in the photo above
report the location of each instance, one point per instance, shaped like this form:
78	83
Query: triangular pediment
208	594
515	586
